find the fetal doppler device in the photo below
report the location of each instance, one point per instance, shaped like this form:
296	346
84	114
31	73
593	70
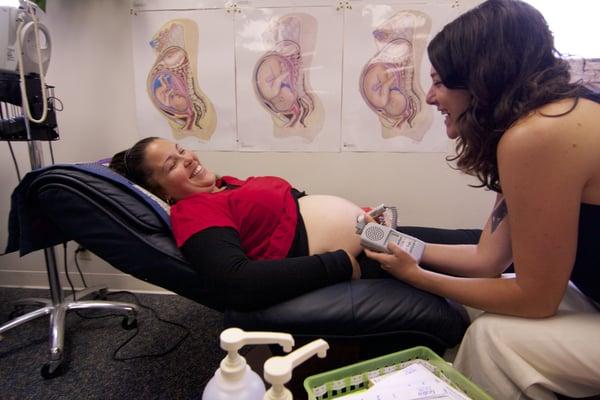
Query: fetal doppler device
377	235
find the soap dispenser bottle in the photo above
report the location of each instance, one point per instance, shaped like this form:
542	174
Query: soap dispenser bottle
234	380
278	370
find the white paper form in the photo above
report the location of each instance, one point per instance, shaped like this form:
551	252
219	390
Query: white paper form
414	382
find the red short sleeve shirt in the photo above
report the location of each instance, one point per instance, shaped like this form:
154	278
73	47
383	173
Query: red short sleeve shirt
261	209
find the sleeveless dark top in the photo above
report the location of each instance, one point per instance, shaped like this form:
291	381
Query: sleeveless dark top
586	271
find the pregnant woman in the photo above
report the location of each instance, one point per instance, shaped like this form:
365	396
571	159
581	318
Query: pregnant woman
258	241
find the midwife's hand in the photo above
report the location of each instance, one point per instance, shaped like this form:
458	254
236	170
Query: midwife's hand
399	264
355	266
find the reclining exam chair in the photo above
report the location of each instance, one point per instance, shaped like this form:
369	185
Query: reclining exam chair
129	228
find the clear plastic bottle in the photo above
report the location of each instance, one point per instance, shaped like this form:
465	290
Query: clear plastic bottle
234	380
248	387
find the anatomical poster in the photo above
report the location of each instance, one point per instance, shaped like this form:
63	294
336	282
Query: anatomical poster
184	78
288	78
386	75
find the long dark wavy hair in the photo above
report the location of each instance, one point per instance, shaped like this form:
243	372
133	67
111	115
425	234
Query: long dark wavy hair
503	53
131	164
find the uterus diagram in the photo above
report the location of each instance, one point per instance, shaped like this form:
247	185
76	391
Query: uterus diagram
281	77
390	81
172	84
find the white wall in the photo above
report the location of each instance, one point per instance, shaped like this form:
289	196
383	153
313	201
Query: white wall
92	69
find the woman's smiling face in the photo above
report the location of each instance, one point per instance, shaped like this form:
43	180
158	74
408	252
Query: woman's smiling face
177	171
450	102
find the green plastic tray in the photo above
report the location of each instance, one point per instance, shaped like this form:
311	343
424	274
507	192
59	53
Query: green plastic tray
353	378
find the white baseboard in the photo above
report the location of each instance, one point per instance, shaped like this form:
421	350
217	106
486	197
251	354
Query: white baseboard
113	281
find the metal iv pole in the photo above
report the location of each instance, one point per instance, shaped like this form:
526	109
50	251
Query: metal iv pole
57	306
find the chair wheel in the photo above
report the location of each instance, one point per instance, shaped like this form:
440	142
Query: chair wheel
52	370
129	324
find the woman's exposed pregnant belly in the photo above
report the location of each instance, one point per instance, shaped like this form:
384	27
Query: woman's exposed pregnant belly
330	223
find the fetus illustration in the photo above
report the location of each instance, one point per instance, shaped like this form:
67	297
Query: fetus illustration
172	85
389	82
281	79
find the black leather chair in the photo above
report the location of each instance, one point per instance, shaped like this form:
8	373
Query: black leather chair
111	217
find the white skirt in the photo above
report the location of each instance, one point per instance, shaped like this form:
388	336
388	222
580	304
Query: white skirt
521	358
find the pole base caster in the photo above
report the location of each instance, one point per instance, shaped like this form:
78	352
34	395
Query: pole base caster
52	369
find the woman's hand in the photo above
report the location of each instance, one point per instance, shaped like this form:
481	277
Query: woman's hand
355	266
399	264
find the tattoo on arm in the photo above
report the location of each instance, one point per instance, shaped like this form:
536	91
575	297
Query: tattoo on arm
498	214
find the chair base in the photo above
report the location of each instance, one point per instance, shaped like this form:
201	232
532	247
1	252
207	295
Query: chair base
58	311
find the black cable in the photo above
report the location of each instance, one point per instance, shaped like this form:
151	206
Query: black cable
52	100
136	328
55	101
67	270
155	355
12	153
79	250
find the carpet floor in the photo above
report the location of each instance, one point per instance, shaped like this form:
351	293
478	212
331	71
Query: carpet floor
90	368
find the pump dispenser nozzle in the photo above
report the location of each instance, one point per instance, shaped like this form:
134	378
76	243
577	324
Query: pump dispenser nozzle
278	370
234	380
233	339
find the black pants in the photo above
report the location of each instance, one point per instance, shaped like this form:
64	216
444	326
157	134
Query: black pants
371	270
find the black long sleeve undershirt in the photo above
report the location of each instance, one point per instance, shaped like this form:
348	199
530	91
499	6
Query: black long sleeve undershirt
241	283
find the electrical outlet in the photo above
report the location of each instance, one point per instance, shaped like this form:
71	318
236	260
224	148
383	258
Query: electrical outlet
85	255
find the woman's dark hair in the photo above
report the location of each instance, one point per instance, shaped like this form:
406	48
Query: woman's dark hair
503	53
131	164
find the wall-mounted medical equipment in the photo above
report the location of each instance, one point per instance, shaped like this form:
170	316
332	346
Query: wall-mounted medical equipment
35	52
26	109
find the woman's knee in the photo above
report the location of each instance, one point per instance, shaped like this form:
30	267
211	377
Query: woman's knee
481	330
